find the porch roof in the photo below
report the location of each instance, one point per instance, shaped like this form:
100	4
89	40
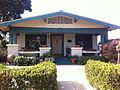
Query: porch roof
41	17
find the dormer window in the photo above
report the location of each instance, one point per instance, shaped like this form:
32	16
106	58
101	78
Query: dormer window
60	20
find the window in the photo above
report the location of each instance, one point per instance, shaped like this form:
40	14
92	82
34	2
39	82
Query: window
60	20
84	40
35	40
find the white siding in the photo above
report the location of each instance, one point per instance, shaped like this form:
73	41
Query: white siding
66	38
21	40
42	24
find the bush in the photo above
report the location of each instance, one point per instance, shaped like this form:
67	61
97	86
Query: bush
3	55
47	55
2	66
109	49
25	61
103	76
39	77
82	60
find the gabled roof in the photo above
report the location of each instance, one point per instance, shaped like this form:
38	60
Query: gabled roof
40	17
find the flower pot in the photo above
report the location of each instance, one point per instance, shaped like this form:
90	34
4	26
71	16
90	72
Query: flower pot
73	60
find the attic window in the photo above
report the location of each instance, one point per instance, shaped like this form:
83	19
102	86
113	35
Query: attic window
60	20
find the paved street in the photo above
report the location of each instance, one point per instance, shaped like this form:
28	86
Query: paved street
72	77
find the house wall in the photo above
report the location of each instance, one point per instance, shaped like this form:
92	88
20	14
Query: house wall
66	38
94	38
43	24
21	40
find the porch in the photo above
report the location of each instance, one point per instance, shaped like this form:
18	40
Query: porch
30	42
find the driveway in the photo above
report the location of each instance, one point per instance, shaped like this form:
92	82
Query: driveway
72	77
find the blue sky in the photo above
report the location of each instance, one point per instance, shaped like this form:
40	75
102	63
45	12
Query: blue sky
104	10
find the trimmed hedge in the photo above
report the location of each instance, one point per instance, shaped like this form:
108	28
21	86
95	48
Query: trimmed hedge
39	77
103	76
82	60
2	66
25	61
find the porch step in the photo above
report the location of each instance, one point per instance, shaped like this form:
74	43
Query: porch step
62	61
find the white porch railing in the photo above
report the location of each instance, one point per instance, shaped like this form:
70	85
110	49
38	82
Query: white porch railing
41	51
91	52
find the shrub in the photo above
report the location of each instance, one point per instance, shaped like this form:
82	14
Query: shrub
25	61
2	66
82	60
103	76
39	77
3	55
47	55
109	49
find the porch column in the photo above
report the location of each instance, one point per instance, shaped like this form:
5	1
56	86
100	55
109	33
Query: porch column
14	38
10	38
12	49
104	38
76	51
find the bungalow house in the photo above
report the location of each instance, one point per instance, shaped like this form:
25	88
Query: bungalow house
57	32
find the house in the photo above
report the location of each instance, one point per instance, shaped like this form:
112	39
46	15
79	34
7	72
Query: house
56	31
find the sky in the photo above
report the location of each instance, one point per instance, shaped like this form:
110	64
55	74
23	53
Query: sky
103	10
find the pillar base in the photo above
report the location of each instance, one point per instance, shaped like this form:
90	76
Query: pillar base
12	49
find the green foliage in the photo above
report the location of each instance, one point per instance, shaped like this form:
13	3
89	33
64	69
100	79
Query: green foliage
3	55
11	9
82	60
39	77
74	56
109	49
2	66
47	55
103	76
25	61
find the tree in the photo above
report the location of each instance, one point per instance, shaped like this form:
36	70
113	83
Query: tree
11	9
3	49
109	50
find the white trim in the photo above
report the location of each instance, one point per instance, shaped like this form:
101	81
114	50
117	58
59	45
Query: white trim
23	52
90	51
11	45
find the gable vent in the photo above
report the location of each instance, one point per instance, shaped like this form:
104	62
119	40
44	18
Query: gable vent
60	20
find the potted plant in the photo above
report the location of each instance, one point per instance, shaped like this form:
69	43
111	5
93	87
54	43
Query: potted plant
48	56
73	59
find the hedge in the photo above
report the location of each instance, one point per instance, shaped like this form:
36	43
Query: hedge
82	60
103	76
39	77
2	66
25	61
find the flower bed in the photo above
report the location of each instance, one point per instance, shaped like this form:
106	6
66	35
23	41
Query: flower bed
38	77
103	76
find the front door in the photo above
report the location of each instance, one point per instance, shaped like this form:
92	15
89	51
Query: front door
57	43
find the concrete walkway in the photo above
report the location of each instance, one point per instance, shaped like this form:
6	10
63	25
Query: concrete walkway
72	77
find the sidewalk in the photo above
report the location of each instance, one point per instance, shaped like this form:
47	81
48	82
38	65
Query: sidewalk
72	77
